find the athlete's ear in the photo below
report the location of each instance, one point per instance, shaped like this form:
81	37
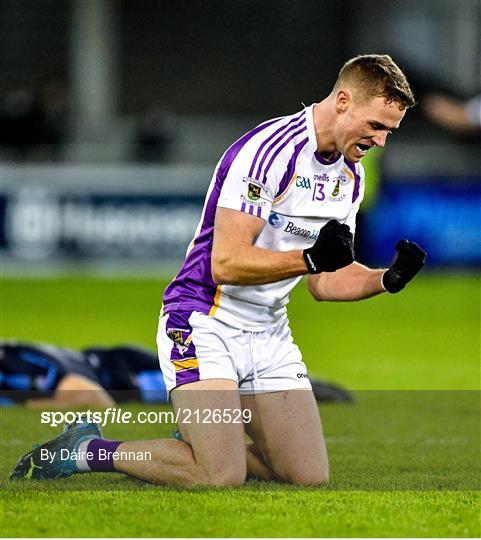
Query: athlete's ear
343	99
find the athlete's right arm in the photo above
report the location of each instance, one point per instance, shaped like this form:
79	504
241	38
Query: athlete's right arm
236	261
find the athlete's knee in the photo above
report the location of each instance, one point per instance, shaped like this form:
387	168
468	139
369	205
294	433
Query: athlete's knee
316	476
226	477
309	478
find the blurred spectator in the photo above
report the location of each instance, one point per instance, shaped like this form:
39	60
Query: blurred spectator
444	104
32	122
453	114
153	137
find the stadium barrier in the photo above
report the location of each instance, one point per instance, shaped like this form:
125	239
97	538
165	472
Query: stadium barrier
148	214
120	213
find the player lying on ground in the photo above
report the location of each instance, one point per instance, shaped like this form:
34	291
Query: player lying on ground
42	375
45	376
282	204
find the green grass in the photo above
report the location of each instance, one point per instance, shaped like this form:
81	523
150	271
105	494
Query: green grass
424	338
404	460
251	511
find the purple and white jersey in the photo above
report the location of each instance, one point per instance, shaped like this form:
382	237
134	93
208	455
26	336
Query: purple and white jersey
273	172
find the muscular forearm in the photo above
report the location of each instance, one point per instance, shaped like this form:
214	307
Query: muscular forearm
354	282
250	265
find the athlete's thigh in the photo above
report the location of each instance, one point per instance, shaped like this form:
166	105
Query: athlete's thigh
206	412
286	427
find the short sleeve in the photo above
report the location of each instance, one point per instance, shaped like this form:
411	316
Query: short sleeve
255	168
245	190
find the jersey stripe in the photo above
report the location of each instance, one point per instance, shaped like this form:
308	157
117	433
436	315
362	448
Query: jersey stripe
282	194
289	128
215	305
288	177
268	139
357	180
193	288
279	150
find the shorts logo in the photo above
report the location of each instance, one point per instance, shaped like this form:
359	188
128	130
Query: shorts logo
181	338
302	376
276	220
253	192
176	336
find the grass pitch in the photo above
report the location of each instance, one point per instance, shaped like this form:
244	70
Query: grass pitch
405	459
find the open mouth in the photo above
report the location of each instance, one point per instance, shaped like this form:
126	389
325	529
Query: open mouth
362	148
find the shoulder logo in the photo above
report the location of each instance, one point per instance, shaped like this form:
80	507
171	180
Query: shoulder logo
253	192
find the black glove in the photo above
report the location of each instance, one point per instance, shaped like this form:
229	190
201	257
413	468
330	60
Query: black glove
407	262
333	249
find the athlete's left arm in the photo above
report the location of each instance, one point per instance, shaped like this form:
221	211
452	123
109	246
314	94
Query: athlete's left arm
348	284
356	281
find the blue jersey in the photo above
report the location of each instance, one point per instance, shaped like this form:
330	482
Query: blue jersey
29	370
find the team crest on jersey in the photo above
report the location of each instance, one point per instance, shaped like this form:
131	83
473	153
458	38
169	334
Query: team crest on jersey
253	191
336	195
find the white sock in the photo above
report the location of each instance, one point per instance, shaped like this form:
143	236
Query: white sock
81	461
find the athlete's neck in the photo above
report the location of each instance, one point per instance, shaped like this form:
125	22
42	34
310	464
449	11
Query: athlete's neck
323	121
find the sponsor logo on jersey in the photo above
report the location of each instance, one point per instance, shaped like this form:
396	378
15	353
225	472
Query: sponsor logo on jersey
321	177
277	221
299	231
303	182
253	192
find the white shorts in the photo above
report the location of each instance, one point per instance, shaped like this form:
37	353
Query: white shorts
195	347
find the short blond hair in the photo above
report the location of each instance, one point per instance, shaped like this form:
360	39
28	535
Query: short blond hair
377	75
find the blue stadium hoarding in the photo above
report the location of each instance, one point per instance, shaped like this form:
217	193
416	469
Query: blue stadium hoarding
52	223
443	215
42	224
